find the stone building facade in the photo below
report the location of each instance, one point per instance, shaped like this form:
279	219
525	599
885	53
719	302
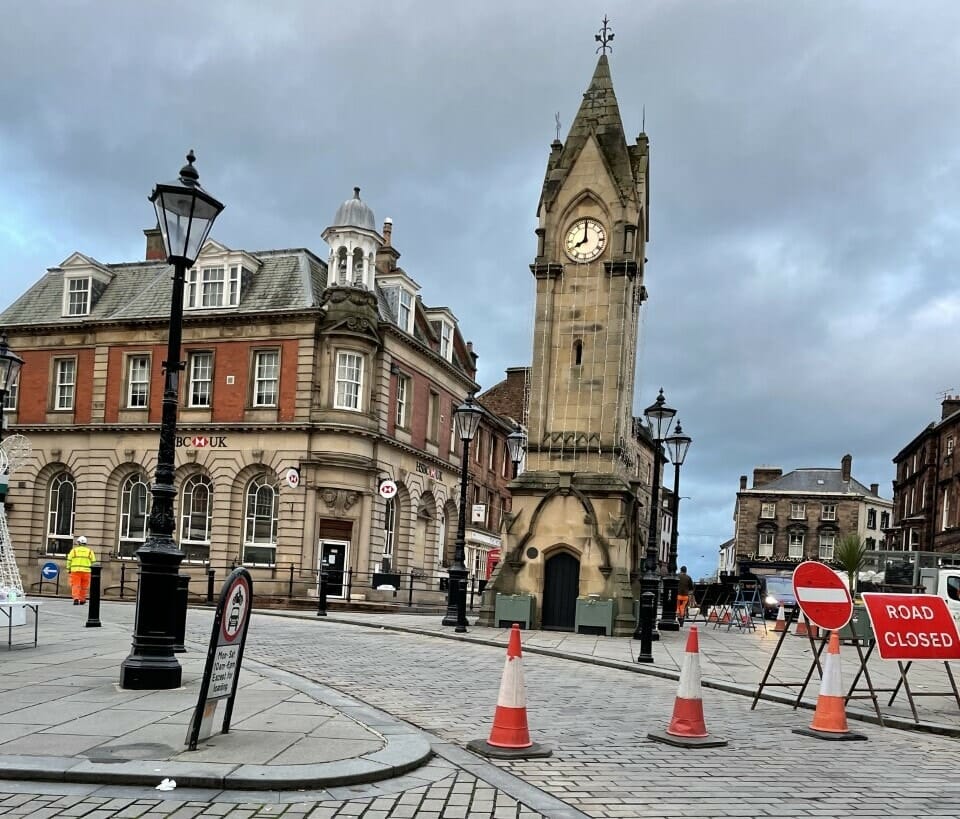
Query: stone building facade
926	490
307	383
784	519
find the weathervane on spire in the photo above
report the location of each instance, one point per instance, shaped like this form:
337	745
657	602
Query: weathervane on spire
605	37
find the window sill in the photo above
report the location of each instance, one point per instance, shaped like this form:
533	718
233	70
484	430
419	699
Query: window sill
60	417
137	415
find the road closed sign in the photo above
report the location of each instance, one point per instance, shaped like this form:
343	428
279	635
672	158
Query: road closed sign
912	627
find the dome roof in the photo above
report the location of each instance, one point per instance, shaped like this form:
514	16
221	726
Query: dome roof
355	213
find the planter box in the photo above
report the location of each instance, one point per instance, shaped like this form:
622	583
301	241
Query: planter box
594	616
513	608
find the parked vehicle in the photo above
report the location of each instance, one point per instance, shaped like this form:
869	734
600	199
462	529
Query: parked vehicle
777	591
944	583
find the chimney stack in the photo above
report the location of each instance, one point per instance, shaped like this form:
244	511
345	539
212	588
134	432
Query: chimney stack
743	482
874	489
387	231
951	403
156	252
846	463
763	475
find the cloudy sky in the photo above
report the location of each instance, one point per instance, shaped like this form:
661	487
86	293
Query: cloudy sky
804	271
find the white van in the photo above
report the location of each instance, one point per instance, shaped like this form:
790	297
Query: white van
944	583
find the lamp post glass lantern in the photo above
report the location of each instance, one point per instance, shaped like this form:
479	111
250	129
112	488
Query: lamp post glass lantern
185	214
517	447
677	445
10	364
467	418
659	418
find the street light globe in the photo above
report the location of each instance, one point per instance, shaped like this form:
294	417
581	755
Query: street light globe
185	213
516	444
659	417
677	445
10	364
467	416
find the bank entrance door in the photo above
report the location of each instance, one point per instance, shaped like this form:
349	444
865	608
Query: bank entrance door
561	585
333	555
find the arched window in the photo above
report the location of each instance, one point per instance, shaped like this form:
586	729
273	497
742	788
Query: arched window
60	512
578	352
358	266
196	512
342	266
389	527
260	522
134	512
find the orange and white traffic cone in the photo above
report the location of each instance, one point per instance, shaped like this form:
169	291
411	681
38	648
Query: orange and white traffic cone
712	617
781	624
830	718
802	629
687	728
509	736
725	620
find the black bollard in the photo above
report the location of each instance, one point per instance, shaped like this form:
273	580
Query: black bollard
183	583
210	580
648	613
322	594
461	626
93	614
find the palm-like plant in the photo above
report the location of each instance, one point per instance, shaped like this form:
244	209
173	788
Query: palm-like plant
851	554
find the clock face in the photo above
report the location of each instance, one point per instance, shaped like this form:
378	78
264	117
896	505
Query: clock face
585	240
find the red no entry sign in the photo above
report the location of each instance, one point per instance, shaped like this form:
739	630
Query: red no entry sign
822	596
912	627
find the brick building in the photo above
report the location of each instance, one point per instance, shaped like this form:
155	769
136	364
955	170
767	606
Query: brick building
926	491
784	519
308	382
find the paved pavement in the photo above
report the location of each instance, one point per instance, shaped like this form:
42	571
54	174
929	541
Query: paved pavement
595	717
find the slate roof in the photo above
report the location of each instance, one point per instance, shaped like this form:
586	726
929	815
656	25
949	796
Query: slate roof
287	280
813	481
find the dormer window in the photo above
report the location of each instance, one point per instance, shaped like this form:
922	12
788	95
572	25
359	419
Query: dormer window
213	287
446	340
78	297
405	311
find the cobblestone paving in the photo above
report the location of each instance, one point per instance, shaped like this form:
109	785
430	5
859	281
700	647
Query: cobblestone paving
457	795
596	720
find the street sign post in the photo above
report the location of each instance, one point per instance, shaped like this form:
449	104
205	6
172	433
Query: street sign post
49	570
912	627
222	670
822	596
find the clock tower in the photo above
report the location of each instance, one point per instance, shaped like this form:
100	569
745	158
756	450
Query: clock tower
573	533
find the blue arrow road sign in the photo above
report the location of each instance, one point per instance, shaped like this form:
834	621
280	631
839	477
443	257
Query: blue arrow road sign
49	571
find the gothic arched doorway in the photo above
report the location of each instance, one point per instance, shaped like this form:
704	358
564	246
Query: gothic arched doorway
561	585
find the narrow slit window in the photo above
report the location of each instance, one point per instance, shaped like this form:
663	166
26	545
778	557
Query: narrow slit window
578	352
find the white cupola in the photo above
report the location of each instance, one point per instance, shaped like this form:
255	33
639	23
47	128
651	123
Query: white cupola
354	242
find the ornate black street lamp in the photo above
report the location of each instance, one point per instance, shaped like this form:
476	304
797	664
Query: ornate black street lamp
467	417
185	213
659	417
517	446
677	445
10	364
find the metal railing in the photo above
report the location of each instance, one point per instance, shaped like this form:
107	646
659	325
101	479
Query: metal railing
286	583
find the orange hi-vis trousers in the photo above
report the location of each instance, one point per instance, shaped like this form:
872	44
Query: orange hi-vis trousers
79	585
682	600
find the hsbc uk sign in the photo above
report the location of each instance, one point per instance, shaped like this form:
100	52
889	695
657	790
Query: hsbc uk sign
202	441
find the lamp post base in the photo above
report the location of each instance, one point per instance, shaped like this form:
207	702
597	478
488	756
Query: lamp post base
668	615
457	584
151	664
150	673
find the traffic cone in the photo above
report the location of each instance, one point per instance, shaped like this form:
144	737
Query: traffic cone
830	718
781	624
509	736
712	617
687	728
725	620
802	629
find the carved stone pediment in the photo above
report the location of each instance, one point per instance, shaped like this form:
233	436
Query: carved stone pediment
338	501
